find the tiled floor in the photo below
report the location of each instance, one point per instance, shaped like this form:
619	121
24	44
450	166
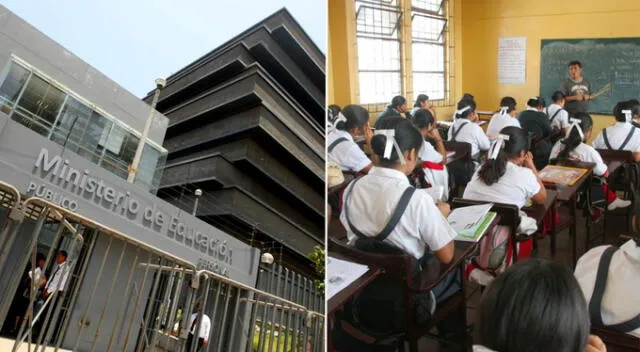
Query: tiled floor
616	225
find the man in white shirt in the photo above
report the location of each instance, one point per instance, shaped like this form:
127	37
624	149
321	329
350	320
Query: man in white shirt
205	328
59	275
620	301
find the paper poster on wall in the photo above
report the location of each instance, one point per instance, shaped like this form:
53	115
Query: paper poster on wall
512	60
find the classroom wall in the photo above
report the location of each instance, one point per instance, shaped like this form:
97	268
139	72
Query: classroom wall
484	21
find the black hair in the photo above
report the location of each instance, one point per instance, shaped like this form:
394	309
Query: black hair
492	169
573	138
536	102
422	119
406	135
467	96
508	102
623	105
40	257
420	99
332	112
356	116
463	104
63	253
575	62
398	100
557	96
535	305
634	105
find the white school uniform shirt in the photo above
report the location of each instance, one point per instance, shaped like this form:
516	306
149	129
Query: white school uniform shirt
582	152
347	154
561	120
516	186
616	135
38	276
429	153
205	326
498	122
375	198
472	134
620	301
59	278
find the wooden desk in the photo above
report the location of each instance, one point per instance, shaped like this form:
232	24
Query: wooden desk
569	194
615	158
539	212
462	150
340	298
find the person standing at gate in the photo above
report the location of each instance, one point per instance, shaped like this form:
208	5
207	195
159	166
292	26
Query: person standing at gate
58	277
205	328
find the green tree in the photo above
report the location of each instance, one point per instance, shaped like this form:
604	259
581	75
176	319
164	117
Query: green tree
318	256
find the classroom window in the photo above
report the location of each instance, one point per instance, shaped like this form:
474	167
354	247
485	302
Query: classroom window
428	34
378	41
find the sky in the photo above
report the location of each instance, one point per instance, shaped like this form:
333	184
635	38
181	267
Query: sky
134	42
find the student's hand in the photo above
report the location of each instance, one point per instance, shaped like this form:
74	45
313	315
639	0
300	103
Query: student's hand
595	344
444	208
205	343
528	161
435	134
429	105
368	134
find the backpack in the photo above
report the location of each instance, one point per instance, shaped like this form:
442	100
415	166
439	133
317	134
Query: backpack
494	249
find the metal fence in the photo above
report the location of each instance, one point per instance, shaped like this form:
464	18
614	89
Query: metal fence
124	295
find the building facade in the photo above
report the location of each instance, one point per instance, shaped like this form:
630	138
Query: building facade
246	126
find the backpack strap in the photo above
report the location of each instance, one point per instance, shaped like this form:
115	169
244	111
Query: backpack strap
335	144
606	139
393	221
554	115
626	140
595	305
455	133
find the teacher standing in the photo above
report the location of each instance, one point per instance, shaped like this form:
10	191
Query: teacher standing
577	90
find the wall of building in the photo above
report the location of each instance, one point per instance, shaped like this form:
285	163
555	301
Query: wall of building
484	21
19	38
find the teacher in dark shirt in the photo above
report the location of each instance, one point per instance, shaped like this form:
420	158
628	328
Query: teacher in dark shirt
577	90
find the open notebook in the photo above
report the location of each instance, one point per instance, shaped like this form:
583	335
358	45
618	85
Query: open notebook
340	274
471	222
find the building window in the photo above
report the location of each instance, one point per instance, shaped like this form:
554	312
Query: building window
428	26
378	40
38	103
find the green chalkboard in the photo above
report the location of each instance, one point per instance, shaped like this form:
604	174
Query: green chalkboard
610	64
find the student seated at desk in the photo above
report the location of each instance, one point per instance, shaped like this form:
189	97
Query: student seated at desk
558	116
623	135
435	172
573	147
614	272
505	117
465	128
537	125
398	107
351	127
634	104
422	103
465	96
422	230
535	305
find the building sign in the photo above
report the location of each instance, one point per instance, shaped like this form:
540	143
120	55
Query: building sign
76	184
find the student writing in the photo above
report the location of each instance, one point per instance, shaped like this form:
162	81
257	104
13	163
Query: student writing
351	127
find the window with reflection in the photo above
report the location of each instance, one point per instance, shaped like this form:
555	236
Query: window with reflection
39	105
150	169
11	86
120	148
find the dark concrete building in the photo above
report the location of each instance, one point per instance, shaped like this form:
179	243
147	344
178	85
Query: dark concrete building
246	126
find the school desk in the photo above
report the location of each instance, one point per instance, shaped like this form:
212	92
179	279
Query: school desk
615	158
538	212
569	195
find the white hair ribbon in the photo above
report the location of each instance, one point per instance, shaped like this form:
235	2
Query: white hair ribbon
503	110
461	111
575	123
332	125
628	115
391	143
496	145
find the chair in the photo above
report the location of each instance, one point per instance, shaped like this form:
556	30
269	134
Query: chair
617	341
617	158
461	169
398	270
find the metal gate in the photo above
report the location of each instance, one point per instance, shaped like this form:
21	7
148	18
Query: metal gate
124	295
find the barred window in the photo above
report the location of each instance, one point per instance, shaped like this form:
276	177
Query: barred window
428	26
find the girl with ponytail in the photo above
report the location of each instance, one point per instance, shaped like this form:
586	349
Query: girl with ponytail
349	127
433	161
466	129
623	135
573	147
506	116
420	229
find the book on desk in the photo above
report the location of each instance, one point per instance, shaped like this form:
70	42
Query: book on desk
471	222
561	175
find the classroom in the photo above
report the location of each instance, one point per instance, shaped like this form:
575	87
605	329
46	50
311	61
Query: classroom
482	178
